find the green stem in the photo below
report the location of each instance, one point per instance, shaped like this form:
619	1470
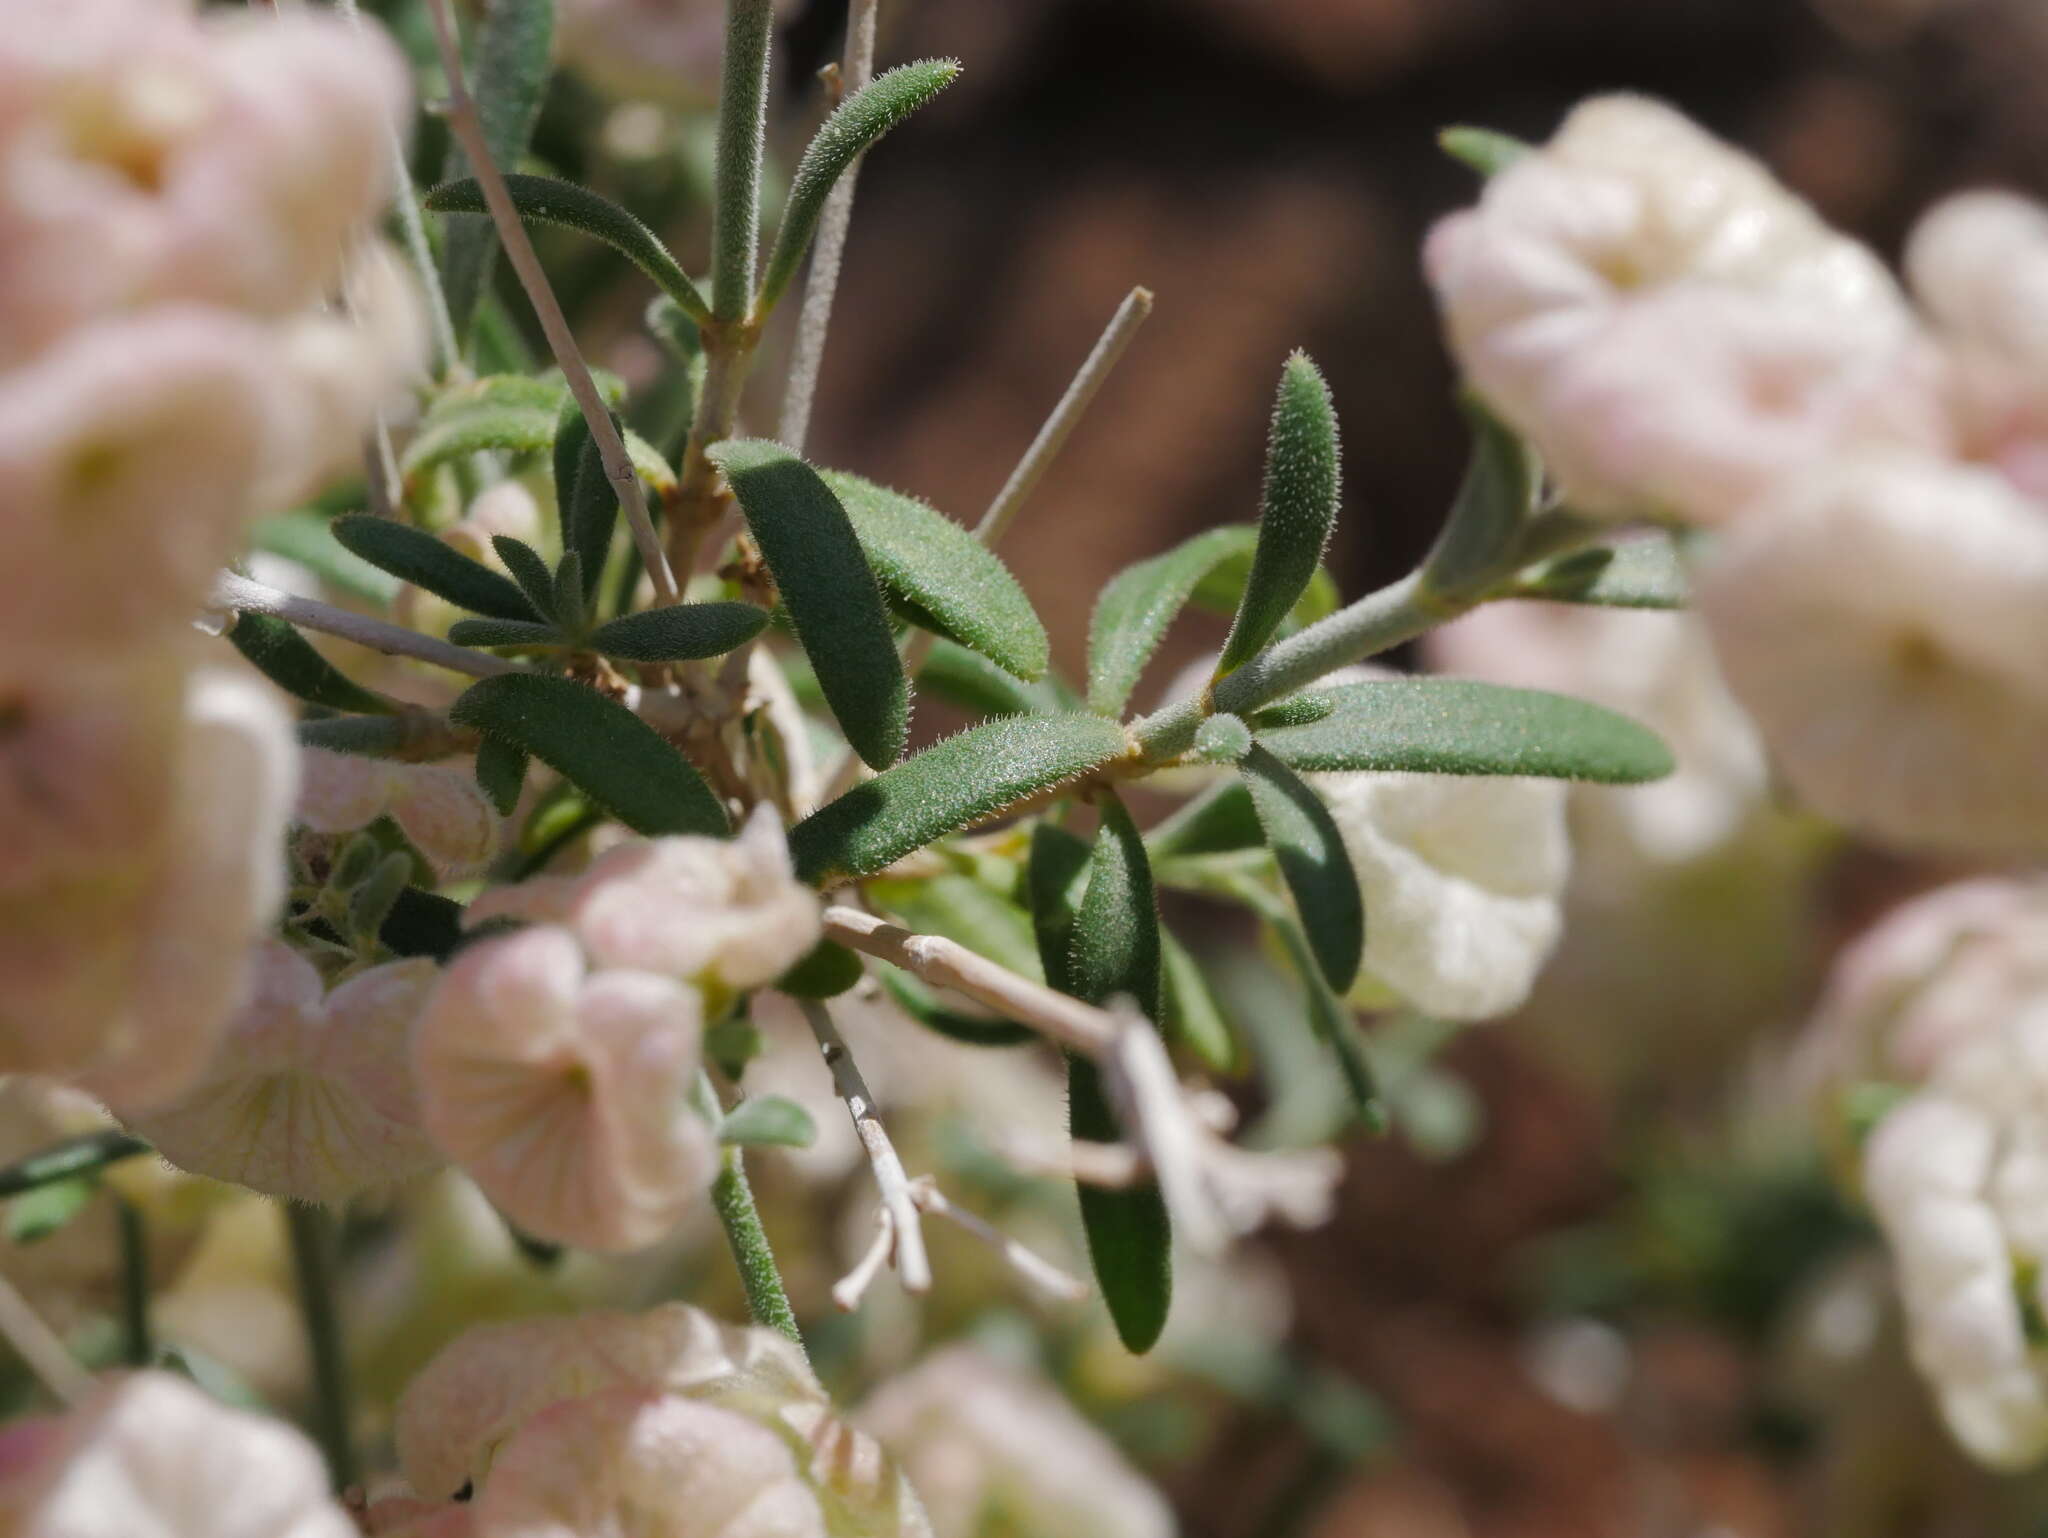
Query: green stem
313	1242
742	141
138	1345
734	1199
74	1156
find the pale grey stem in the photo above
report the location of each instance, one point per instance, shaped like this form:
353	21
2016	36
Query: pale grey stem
245	595
912	1265
828	248
1052	437
618	467
39	1348
448	354
852	1287
1034	1268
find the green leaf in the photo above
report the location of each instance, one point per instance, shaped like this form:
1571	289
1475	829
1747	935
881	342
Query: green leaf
1114	949
511	70
1483	149
425	562
1296	710
829	590
923	1006
506	632
945	788
1457	726
35	1215
291	662
371	903
1296	514
1222	739
614	757
571	609
856	124
1331	1019
520	429
961	909
1219	821
768	1121
501	773
1642	573
1499	494
1139	603
423	924
826	971
680	632
544	200
305	536
84	1153
365	736
970	680
920	554
1191	1015
1222	590
1310	852
529	570
585	500
1055	876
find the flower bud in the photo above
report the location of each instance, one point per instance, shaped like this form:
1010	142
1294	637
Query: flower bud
441	809
310	1096
562	1094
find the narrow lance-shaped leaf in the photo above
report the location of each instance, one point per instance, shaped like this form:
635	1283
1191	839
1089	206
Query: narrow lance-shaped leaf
585	499
544	200
855	125
947	787
768	1121
305	536
1219	821
1458	726
529	570
1189	1011
1641	573
1297	512
505	632
1114	949
1140	602
1310	852
291	662
679	632
424	561
513	63
1496	499
609	753
970	680
829	590
1485	150
923	1006
957	581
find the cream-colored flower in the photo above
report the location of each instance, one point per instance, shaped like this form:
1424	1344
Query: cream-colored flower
441	809
1880	621
151	1456
725	914
1978	263
991	1450
562	1092
310	1096
1462	878
122	972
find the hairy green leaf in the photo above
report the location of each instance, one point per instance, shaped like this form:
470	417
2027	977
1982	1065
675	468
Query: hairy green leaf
423	924
1483	149
305	535
680	632
1138	605
1310	852
945	788
970	680
365	736
505	632
292	662
922	555
529	570
1297	512
827	970
1503	482
585	499
768	1121
1296	710
1055	877
964	911
424	561
829	590
1458	726
1219	821
512	68
855	125
571	608
1222	739
544	200
501	773
84	1153
1190	1013
609	753
1115	944
523	429
1641	573
1331	1019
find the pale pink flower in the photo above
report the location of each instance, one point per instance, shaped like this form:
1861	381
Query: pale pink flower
1881	622
151	1456
310	1096
724	914
976	1436
441	809
122	972
1978	263
562	1093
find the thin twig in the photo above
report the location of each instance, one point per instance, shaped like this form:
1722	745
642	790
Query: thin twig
40	1349
467	126
1052	437
852	1287
313	1238
244	595
1034	1268
828	249
894	1185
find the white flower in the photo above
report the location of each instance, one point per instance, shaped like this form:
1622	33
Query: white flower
441	809
1462	878
1978	263
310	1096
724	914
990	1448
1882	621
151	1456
563	1094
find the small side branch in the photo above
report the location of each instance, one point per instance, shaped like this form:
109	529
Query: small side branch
237	594
1034	1268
